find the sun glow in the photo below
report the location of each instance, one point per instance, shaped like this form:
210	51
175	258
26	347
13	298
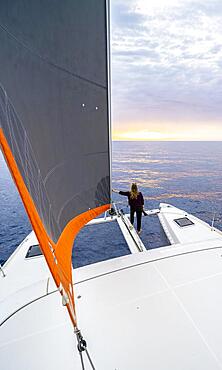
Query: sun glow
143	135
204	133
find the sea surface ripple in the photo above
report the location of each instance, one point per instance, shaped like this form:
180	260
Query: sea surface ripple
187	175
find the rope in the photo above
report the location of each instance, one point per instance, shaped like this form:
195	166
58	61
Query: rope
82	347
90	360
81	359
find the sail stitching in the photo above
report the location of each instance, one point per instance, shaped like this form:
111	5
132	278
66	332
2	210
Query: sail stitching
30	166
82	347
50	172
9	112
46	60
77	195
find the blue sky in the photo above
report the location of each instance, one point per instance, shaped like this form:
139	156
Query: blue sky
167	69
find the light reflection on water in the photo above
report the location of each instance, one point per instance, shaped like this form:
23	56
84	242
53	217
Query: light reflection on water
187	175
193	196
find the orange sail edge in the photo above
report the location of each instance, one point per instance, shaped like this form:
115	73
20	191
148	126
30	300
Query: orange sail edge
63	254
58	255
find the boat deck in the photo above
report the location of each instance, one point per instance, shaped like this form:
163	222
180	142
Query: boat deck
138	311
170	290
198	230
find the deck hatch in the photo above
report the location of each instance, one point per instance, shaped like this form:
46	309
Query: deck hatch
34	251
183	221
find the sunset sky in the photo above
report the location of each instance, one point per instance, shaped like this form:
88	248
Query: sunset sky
167	69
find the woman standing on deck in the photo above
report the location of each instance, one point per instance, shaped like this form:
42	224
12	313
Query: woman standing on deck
136	203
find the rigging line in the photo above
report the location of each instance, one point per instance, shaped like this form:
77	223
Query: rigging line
90	360
82	347
46	60
82	362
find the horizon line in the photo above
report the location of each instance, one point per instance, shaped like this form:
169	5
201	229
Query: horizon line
178	140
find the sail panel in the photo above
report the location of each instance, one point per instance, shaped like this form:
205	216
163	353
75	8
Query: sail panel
54	120
54	104
58	256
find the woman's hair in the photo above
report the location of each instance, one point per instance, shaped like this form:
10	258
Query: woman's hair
134	191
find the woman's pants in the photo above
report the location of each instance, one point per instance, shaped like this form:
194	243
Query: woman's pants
138	217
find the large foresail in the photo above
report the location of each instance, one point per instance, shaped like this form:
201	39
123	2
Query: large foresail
54	119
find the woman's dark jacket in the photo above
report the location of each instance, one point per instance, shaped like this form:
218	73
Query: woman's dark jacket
135	203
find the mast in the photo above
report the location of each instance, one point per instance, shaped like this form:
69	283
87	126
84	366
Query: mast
109	77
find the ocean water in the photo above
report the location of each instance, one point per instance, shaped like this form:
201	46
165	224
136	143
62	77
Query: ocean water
185	174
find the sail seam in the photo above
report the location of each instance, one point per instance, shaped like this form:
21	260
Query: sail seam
32	166
48	61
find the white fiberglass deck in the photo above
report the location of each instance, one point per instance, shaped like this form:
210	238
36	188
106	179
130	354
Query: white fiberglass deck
151	310
198	231
158	309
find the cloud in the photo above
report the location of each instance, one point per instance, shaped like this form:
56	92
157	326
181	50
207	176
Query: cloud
124	17
166	61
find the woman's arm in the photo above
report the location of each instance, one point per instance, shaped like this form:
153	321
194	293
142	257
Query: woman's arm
115	191
126	193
